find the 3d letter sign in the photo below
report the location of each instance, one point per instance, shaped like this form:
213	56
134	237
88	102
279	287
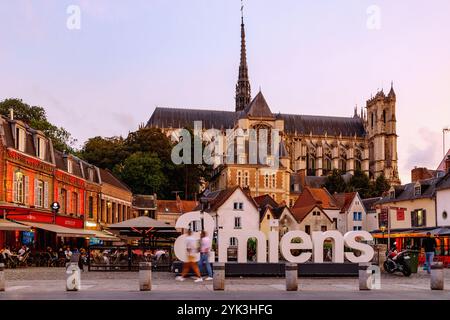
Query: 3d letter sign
287	243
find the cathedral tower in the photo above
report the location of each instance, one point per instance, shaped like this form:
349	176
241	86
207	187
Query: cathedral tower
243	94
382	136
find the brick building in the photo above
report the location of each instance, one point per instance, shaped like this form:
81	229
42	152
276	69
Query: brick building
34	175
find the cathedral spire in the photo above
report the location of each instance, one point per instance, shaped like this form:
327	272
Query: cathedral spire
243	94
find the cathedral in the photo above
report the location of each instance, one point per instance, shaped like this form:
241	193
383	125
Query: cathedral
311	146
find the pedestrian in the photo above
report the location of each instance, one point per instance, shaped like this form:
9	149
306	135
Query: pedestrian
191	263
205	249
429	245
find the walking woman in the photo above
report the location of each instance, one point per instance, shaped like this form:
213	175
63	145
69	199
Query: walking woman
205	249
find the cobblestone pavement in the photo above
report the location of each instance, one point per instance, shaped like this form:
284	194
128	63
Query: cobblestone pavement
49	283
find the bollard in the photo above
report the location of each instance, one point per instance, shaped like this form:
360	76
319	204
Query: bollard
219	276
437	276
145	276
2	277
291	273
73	282
381	249
365	278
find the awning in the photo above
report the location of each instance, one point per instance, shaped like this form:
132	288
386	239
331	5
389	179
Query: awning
6	225
61	231
103	235
412	233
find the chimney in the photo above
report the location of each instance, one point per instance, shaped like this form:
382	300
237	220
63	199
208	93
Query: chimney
11	114
302	178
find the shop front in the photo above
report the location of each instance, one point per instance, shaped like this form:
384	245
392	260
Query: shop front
411	239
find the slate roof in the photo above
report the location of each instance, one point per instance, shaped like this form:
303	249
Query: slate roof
6	134
265	200
406	192
61	163
293	124
109	178
369	203
217	198
276	212
258	108
444	183
184	118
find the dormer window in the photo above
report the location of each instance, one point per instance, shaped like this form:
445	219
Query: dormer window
417	190
91	174
392	193
20	139
41	148
69	166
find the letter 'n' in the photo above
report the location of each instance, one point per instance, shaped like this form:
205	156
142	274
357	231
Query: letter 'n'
242	237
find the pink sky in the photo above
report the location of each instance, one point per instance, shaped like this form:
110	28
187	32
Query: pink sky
309	57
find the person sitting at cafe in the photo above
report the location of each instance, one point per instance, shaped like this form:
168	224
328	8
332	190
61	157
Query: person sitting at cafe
68	254
5	254
21	253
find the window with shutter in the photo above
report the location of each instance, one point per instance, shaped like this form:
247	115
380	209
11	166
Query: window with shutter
26	187
68	208
14	187
46	200
36	193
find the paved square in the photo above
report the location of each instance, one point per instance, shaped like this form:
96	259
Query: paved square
49	283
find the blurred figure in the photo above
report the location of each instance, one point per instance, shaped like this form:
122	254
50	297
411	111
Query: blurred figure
191	250
205	249
429	245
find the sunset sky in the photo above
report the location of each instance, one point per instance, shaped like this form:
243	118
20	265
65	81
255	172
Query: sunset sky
309	57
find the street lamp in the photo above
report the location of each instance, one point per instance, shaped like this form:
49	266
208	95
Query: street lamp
203	202
383	229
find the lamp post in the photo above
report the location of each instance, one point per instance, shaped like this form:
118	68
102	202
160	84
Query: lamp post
383	229
203	202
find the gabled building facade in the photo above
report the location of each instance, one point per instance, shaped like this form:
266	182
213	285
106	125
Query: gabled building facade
353	215
232	209
314	210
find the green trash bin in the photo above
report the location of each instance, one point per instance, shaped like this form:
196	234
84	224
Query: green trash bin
413	260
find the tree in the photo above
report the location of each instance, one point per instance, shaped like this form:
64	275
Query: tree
360	182
105	153
143	173
381	186
335	182
115	153
149	140
36	118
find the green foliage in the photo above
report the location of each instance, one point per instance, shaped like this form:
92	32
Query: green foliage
143	171
359	182
121	156
381	186
335	182
105	153
36	118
